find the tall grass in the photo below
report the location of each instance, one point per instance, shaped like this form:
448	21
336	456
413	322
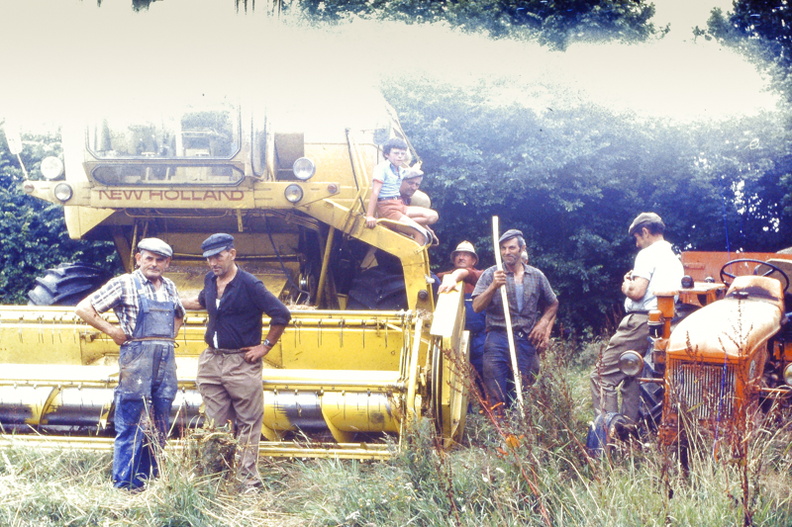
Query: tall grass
530	468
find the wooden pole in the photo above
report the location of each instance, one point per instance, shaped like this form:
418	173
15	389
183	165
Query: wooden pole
507	314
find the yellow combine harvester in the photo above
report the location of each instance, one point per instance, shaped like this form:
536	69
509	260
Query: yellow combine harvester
369	348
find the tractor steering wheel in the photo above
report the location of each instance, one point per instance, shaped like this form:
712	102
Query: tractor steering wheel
773	269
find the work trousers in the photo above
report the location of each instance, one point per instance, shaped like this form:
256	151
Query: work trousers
232	393
477	341
497	366
146	390
632	334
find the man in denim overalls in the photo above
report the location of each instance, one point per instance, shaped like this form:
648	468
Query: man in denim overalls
150	314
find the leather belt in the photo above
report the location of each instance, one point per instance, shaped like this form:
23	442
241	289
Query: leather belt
388	199
518	333
637	312
224	351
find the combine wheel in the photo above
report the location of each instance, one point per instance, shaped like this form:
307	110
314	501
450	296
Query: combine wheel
66	285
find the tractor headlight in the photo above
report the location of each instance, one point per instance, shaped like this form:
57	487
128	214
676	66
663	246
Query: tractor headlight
293	193
631	363
51	167
788	374
63	192
304	169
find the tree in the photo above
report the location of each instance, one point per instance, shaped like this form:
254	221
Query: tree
555	23
572	177
765	25
34	232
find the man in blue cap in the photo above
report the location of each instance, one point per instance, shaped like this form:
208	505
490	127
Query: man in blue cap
229	370
532	305
149	316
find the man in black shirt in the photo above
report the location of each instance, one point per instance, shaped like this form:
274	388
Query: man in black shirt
229	370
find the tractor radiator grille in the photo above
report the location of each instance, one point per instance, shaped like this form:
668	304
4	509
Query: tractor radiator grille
703	391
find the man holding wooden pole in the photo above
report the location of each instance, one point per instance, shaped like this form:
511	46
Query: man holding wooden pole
531	310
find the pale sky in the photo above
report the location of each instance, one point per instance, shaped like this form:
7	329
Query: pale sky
58	54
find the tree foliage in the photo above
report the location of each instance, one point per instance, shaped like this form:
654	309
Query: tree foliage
34	232
765	25
573	177
553	22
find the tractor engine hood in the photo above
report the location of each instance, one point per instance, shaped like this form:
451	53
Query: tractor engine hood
734	327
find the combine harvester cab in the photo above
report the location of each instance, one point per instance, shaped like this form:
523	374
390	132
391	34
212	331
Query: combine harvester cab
369	348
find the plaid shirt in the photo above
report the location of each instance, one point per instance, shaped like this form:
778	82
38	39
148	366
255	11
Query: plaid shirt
121	295
537	296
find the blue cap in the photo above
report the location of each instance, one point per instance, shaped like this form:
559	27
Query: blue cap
511	233
217	243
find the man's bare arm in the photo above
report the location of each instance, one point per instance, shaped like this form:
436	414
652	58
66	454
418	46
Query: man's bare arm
451	279
634	287
540	334
481	302
191	303
86	311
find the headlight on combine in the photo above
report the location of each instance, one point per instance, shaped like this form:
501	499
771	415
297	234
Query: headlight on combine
63	192
631	363
788	374
303	169
51	167
293	193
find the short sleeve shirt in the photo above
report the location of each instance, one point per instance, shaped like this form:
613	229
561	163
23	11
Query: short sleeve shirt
537	296
122	296
658	264
391	178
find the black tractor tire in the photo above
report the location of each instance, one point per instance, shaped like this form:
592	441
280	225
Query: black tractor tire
66	285
379	289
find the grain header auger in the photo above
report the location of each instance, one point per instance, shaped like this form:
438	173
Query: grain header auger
369	348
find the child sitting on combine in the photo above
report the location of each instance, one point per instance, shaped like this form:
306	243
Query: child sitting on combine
385	200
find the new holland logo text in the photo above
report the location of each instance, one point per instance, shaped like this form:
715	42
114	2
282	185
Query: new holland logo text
171	195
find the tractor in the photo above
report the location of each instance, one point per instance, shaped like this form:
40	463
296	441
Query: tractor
719	356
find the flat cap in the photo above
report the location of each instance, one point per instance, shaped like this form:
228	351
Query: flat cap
511	233
412	172
643	218
156	246
217	243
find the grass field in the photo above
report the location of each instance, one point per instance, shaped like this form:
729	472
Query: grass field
530	469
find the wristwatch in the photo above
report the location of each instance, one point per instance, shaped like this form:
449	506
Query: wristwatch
267	343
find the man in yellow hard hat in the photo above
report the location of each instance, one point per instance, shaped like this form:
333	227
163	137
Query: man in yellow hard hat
464	259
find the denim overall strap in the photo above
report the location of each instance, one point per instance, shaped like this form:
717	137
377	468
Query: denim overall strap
155	318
